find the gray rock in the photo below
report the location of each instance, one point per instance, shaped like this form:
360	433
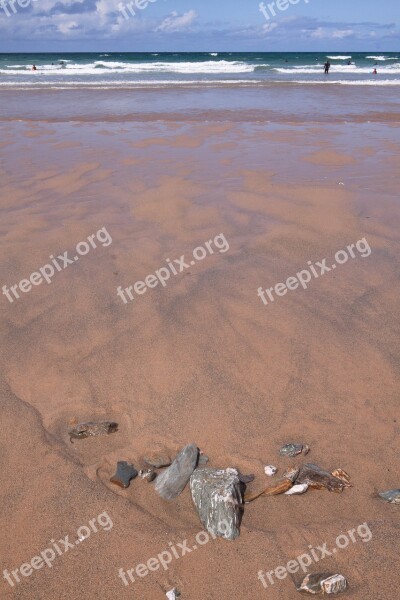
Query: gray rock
171	482
392	496
294	449
218	497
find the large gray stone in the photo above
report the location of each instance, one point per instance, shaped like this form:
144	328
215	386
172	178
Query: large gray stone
218	497
170	483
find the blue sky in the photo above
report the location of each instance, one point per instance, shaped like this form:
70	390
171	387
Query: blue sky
200	25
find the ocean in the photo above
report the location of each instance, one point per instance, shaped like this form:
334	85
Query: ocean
200	69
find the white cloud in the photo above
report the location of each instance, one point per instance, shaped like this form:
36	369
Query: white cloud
268	27
326	33
66	27
343	33
176	22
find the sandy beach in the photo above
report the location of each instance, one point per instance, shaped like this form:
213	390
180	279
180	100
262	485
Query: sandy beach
201	359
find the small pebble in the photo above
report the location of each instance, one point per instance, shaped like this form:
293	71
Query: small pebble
147	474
270	470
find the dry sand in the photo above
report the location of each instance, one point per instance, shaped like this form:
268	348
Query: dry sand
201	360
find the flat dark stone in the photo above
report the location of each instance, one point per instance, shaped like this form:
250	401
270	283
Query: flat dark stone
158	460
125	473
218	497
171	482
319	479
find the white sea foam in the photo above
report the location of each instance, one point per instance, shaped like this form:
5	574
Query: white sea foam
103	84
339	57
99	67
383	58
350	69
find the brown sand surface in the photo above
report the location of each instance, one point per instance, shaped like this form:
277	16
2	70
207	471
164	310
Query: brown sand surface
203	359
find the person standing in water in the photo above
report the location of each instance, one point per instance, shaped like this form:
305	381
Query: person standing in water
327	66
33	67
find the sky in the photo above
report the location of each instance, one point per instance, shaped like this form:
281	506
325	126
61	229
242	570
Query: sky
199	25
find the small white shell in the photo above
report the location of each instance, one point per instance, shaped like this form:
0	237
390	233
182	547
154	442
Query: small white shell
270	470
297	489
172	594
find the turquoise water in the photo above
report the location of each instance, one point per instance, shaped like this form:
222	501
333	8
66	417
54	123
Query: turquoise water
113	70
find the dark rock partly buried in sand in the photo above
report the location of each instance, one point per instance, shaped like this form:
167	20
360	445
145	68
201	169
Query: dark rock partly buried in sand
218	497
320	479
84	430
170	483
245	478
391	496
125	472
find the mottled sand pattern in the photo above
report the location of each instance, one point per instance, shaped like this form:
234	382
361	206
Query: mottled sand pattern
201	360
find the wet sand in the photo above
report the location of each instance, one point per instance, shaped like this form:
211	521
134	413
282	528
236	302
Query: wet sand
202	359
